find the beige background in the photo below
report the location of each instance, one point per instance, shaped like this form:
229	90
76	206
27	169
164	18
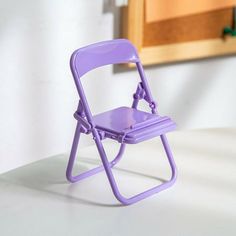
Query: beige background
157	10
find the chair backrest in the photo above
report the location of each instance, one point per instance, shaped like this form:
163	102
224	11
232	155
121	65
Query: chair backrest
103	53
100	54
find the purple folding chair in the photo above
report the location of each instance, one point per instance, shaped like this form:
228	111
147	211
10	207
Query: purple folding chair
125	125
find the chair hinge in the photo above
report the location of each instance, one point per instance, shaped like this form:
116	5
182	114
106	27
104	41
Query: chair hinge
86	126
140	92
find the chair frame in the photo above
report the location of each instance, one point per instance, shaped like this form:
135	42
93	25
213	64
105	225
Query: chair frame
86	125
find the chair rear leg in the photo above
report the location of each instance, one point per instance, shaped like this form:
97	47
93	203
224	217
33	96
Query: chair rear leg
147	193
73	152
93	171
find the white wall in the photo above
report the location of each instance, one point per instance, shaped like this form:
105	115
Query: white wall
37	94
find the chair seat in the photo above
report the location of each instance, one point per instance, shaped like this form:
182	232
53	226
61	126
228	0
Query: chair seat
131	126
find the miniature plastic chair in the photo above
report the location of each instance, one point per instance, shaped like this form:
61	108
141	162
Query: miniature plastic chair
125	125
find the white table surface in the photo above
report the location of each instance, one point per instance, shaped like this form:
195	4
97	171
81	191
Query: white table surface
37	200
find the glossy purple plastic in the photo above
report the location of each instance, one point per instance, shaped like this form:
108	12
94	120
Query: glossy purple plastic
133	125
101	54
125	125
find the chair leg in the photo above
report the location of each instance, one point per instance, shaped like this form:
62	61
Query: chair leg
147	193
91	172
108	165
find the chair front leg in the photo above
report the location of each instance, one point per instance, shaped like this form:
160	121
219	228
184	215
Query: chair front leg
147	193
